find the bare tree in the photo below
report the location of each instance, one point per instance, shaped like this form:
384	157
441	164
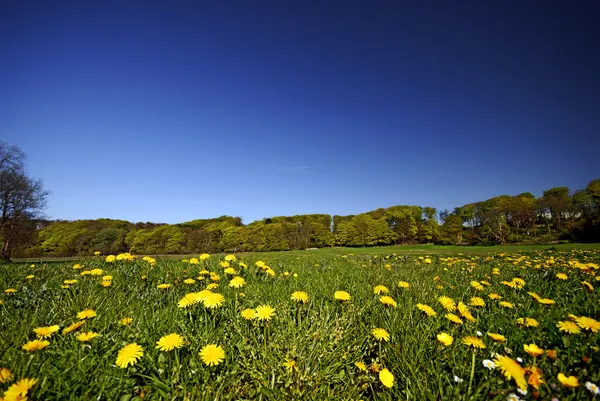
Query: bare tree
22	199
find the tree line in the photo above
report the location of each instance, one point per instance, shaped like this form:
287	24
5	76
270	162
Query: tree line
558	215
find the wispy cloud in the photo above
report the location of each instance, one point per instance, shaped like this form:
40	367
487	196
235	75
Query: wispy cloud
293	168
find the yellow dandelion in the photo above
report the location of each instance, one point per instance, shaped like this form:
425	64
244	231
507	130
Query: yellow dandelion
528	322
248	314
230	271
47	331
35	345
403	284
300	296
381	334
587	323
474	342
533	350
447	303
568	326
570	382
170	342
163	286
290	365
476	301
126	321
212	286
212	354
497	337
189	299
380	289
511	370
427	309
588	286
386	377
361	366
506	304
388	301
73	327
189	281
213	300
86	336
562	276
342	296
5	375
445	339
86	314
453	318
477	285
204	256
129	355
10	291
18	391
237	282
264	312
495	296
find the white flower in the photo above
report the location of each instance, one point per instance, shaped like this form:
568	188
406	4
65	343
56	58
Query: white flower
488	364
479	334
522	392
512	397
519	360
594	389
458	379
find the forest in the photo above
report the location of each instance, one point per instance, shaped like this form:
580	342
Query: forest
559	215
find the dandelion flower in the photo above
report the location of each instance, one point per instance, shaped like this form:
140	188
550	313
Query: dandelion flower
476	301
568	326
587	323
361	366
163	286
126	321
453	318
381	334
189	299
380	289
427	309
212	354
290	365
562	276
477	285
506	304
129	355
533	350
189	281
86	314
474	342
248	314
511	370
35	345
212	286
265	312
587	285
300	296
237	282
69	282
497	337
5	375
447	303
495	296
403	284
570	381
528	322
388	301
213	300
230	271
47	331
445	339
10	291
96	272
18	391
204	256
386	377
86	336
342	296
169	342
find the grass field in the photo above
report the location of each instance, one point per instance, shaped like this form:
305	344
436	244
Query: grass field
325	348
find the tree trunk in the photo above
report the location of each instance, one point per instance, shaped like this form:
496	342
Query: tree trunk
6	249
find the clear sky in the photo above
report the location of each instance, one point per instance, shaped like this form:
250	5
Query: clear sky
176	110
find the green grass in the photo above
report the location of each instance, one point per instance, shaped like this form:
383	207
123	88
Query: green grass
325	337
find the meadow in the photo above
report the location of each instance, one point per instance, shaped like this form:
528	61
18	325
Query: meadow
337	325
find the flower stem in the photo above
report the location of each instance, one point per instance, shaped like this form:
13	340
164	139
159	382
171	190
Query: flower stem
472	372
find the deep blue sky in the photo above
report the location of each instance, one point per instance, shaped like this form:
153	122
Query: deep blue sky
181	110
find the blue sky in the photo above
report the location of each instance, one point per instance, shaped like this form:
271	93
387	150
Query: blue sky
181	110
